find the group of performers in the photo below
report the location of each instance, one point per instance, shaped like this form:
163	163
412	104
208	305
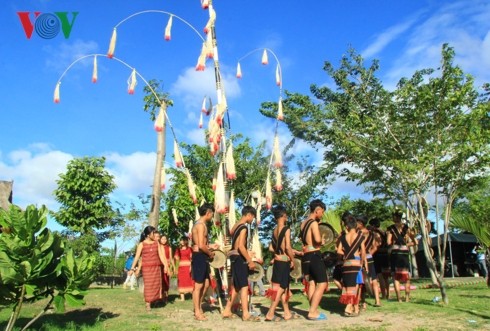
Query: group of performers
368	257
365	253
155	261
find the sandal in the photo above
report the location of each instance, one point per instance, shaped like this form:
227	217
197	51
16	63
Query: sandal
251	319
275	319
229	317
294	316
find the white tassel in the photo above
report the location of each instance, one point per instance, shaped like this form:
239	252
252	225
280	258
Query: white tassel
265	58
278	185
132	82
277	153
280	113
192	186
200	121
94	72
168	28
238	70
278	76
231	211
112	44
160	120
162	178
177	156
220	200
230	163
268	193
56	96
174	214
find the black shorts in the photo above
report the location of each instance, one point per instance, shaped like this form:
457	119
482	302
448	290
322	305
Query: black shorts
280	273
313	267
371	268
381	261
337	272
239	272
200	267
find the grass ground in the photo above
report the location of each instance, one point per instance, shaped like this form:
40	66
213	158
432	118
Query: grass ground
121	310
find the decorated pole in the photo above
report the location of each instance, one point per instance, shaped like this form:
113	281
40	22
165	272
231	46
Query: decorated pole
154	215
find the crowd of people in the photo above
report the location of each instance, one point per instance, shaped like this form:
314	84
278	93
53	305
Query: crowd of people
366	258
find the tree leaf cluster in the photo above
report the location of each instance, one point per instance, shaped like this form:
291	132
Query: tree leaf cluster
35	263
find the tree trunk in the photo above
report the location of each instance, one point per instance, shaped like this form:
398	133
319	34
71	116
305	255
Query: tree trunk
415	267
154	215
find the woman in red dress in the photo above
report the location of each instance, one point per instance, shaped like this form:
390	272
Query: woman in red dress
183	256
167	273
152	259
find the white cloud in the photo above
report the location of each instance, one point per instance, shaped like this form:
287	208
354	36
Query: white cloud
192	86
465	28
133	173
34	172
195	136
386	37
61	57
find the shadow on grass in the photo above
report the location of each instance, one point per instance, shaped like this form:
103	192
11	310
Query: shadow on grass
80	317
485	317
474	296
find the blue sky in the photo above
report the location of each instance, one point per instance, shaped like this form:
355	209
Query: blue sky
38	137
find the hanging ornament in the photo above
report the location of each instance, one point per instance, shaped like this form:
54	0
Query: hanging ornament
178	157
189	227
231	210
201	60
209	46
278	76
280	114
256	246
259	208
191	186
210	107
268	193
220	200
56	96
204	4
162	178
277	153
132	82
214	184
238	70
196	211
168	28
230	163
203	107
200	120
265	58
112	44
278	185
174	214
94	72
211	21
160	120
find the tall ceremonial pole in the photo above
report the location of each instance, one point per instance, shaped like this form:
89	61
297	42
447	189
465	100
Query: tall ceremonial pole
221	111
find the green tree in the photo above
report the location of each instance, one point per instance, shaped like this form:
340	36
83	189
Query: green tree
471	211
83	193
35	264
398	144
86	211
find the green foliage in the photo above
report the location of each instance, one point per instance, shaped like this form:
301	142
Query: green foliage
471	212
35	264
83	192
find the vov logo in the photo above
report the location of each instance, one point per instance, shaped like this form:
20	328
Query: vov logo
47	25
